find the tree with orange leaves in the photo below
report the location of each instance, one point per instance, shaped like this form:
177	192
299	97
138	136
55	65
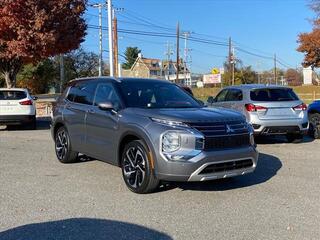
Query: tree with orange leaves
32	30
309	43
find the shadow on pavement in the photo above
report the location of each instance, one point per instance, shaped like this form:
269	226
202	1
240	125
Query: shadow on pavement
267	167
278	139
43	123
82	229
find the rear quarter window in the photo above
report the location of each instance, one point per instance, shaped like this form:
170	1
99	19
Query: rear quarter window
12	95
273	95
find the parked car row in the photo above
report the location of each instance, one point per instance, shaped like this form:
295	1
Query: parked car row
157	131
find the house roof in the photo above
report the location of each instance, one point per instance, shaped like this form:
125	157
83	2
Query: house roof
150	63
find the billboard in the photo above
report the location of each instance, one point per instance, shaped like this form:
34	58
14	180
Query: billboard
211	78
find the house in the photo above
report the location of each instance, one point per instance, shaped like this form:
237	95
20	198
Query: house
155	68
169	69
144	68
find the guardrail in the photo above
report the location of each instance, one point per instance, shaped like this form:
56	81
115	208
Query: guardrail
309	97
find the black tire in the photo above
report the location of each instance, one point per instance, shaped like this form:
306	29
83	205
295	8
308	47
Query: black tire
136	168
63	147
314	129
33	125
294	137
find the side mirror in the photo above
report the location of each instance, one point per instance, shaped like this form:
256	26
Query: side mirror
211	100
34	98
106	106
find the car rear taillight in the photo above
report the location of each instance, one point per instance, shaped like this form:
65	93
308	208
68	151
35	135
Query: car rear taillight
26	102
254	108
301	107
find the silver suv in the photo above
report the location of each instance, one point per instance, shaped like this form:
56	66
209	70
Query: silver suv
153	130
272	110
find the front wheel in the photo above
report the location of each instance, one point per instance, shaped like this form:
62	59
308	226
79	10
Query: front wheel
136	168
314	129
63	148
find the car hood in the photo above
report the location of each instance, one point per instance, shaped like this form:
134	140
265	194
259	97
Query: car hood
190	114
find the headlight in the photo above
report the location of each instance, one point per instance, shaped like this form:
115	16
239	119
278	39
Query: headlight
169	122
180	145
171	141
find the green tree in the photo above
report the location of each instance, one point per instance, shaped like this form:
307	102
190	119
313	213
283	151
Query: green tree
131	55
38	78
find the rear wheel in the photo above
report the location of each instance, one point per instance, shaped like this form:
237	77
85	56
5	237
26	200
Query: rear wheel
314	130
294	137
136	168
63	148
33	125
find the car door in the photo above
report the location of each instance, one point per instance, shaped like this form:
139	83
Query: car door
234	99
220	100
78	102
102	125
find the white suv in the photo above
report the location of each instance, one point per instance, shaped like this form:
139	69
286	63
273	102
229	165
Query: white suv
17	107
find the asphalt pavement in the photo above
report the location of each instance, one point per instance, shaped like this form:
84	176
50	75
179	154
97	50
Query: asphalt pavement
41	198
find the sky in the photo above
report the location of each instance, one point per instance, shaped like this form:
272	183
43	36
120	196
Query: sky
260	27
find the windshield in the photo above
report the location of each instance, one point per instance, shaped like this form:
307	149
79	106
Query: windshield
273	95
12	95
148	94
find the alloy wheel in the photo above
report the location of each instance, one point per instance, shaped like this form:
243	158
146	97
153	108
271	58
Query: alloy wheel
134	166
61	144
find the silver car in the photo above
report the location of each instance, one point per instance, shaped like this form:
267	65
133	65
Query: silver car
153	130
272	110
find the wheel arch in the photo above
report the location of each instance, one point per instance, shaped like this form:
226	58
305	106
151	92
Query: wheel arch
130	136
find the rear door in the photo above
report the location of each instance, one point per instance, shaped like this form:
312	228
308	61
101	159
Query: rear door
15	102
277	103
79	100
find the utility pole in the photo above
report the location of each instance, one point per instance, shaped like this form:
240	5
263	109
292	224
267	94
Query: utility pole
110	34
61	61
115	44
186	57
229	58
275	70
178	38
168	54
233	65
99	6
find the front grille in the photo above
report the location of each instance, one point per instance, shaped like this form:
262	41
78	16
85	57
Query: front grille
280	130
225	142
227	166
223	135
210	129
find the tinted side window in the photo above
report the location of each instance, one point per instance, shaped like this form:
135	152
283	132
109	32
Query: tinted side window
234	95
82	93
107	93
222	96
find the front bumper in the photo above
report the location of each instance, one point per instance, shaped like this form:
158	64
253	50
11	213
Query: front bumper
16	119
192	170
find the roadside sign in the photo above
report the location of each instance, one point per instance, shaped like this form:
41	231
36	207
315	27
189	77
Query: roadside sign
211	78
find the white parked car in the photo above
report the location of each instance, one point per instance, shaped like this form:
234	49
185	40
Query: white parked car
17	107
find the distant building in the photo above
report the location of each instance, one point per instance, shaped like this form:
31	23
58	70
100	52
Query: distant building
155	68
144	68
